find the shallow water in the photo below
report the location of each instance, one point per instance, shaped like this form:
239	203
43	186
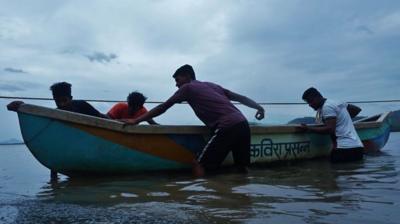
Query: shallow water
304	192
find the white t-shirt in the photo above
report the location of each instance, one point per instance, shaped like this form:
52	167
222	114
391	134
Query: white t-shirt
346	134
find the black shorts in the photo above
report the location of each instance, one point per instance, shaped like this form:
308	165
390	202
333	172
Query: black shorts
224	140
347	155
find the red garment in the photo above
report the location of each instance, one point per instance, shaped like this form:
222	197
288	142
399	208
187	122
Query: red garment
120	111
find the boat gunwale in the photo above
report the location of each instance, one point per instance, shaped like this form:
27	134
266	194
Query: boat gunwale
77	118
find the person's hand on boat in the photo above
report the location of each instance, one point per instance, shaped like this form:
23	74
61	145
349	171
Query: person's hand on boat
130	122
260	113
302	128
126	120
13	106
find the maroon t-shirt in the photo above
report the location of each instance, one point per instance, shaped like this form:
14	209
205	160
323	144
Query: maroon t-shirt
209	102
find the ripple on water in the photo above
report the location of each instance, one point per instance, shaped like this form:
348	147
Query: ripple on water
151	212
158	194
129	195
197	187
263	190
203	198
8	214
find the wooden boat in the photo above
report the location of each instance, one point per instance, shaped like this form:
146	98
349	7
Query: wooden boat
76	144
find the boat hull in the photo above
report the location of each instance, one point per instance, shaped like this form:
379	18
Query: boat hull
71	147
394	120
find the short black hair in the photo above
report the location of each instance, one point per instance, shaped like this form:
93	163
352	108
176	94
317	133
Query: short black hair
311	93
185	70
61	89
136	99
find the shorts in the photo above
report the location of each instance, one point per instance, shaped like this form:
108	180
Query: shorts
235	138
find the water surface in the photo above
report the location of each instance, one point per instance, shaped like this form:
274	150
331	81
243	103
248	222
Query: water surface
305	192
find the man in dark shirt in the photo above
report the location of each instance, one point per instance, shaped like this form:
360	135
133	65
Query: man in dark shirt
63	99
212	105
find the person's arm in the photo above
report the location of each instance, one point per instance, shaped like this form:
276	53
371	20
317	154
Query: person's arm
178	97
142	111
104	116
152	122
88	109
328	128
156	111
246	101
353	110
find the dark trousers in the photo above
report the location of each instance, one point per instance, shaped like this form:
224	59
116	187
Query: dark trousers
224	140
347	155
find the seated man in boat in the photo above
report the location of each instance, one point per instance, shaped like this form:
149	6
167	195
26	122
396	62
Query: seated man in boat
212	105
130	110
336	118
63	99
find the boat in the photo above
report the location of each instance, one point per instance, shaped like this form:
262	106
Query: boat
76	144
394	120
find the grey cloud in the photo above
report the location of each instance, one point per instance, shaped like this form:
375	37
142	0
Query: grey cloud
14	70
307	32
10	88
254	47
329	46
268	50
364	29
17	86
101	57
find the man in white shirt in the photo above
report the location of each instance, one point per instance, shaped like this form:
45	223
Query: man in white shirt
336	118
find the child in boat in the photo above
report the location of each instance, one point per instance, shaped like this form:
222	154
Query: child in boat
132	109
336	118
212	105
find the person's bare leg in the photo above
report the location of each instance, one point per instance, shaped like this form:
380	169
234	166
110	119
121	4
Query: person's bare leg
197	169
53	175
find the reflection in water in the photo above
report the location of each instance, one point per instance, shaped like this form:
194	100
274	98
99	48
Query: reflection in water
175	199
306	192
309	191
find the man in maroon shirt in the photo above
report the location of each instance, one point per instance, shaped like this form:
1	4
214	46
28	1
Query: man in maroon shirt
212	105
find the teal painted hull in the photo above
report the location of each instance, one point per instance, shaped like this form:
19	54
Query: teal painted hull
68	150
74	148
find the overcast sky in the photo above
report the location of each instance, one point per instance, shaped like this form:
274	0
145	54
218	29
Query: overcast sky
269	50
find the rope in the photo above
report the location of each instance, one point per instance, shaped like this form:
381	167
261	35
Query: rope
159	102
39	132
26	142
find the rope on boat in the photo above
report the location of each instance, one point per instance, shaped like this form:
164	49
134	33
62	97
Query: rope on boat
26	141
159	102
